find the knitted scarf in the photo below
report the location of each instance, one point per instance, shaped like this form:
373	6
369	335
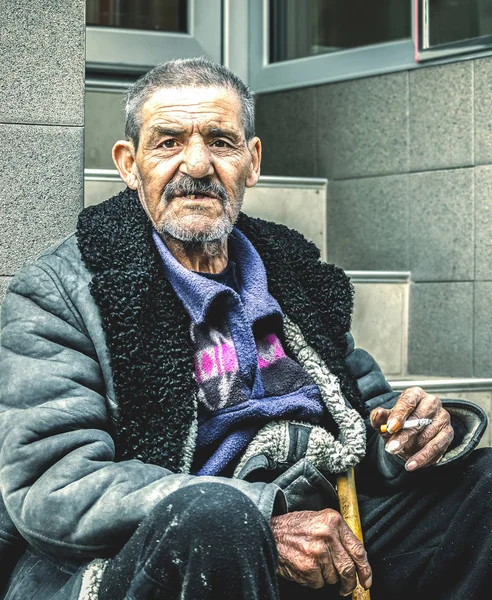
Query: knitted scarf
148	330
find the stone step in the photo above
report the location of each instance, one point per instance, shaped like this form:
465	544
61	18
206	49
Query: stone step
380	320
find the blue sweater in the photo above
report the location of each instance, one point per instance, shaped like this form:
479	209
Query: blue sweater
245	377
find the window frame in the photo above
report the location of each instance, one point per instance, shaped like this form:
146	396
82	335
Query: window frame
353	63
459	50
105	46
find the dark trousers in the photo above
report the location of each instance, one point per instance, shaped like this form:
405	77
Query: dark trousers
208	541
431	541
205	541
435	540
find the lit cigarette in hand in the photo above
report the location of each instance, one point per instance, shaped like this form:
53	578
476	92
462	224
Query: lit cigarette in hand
410	424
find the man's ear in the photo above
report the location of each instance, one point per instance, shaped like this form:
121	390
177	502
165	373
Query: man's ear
254	146
124	159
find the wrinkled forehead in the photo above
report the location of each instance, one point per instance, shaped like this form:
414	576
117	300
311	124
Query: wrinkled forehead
186	106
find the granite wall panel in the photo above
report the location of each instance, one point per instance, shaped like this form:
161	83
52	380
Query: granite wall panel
441	329
483	222
441	225
42	64
363	127
4	284
483	110
368	223
483	329
41	192
286	124
104	125
441	116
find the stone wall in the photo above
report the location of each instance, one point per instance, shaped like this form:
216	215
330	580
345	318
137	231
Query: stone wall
42	67
408	157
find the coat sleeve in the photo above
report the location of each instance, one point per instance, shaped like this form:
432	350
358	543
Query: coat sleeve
469	422
59	481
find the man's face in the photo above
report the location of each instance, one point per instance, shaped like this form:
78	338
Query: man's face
193	162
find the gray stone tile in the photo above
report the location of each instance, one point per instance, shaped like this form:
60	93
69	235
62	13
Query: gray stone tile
368	223
363	127
4	284
42	50
98	191
483	110
41	191
483	223
441	329
441	225
303	209
441	116
104	125
483	329
286	125
379	324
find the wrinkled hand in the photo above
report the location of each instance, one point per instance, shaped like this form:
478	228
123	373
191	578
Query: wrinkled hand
418	447
317	547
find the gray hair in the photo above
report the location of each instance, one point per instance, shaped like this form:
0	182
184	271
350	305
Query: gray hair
188	72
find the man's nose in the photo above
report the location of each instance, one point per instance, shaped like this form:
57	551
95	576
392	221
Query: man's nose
197	160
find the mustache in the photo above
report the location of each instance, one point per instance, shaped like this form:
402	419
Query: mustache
189	185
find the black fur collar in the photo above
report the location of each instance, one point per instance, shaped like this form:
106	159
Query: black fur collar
147	327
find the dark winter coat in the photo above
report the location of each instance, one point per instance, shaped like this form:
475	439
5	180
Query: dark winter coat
97	393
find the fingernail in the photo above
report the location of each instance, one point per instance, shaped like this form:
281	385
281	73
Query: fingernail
368	583
411	466
393	425
392	446
374	414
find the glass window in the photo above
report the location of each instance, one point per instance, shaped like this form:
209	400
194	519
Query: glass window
154	15
452	27
457	20
300	28
130	36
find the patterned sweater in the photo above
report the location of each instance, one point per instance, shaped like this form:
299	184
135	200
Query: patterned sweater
244	375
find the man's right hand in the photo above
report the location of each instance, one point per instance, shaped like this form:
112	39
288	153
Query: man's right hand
317	547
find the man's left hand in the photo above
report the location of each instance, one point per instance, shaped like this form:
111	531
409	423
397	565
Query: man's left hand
418	447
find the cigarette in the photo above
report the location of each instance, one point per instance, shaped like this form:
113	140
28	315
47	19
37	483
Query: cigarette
410	424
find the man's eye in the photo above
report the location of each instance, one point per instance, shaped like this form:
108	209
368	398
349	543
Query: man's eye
169	144
220	144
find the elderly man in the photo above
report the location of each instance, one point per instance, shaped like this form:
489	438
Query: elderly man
179	389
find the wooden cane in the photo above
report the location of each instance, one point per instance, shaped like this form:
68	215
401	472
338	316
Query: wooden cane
349	509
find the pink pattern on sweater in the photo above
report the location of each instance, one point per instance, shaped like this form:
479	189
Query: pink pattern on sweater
214	361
